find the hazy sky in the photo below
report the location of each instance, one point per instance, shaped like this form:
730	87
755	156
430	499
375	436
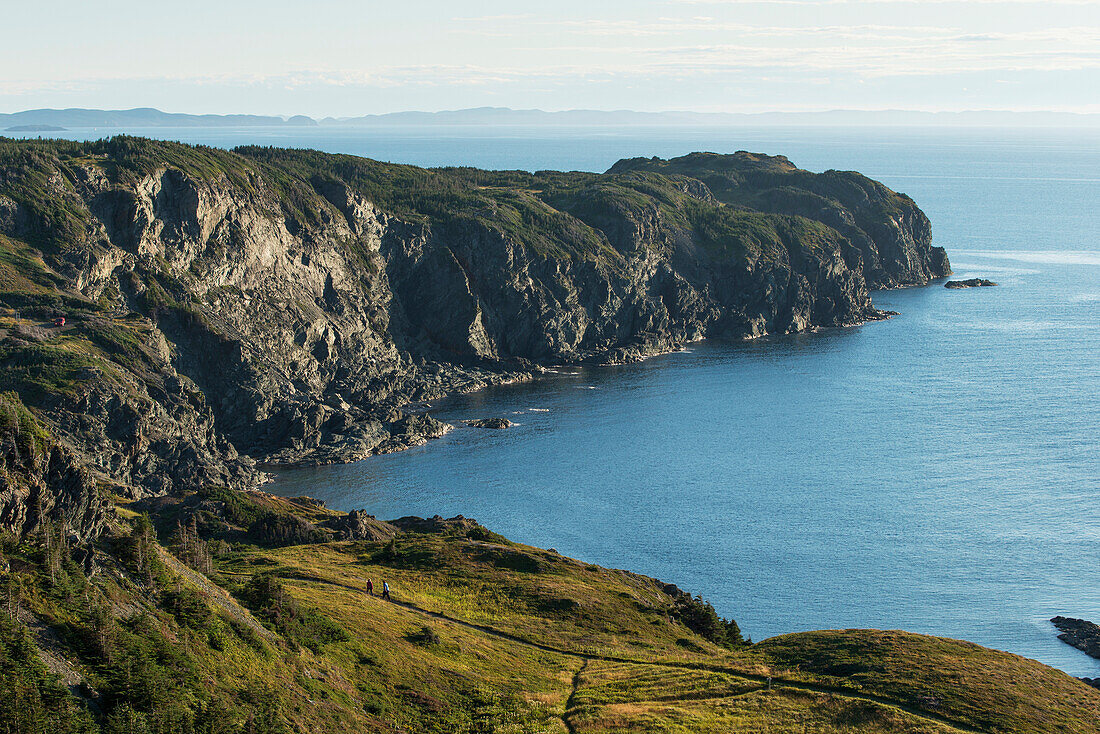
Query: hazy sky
348	57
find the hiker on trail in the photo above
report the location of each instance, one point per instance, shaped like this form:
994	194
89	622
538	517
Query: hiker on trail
386	591
370	587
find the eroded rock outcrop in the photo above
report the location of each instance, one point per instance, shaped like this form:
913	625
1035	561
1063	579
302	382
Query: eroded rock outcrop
494	423
42	484
358	525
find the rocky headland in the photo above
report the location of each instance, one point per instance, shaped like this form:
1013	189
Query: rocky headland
228	311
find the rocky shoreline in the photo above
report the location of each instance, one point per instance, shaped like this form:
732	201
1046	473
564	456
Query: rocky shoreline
230	311
1079	633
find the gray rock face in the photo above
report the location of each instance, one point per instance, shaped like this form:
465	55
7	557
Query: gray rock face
285	307
43	485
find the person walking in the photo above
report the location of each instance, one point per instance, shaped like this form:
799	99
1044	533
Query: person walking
370	587
386	591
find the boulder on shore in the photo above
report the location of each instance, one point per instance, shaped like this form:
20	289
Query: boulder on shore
971	283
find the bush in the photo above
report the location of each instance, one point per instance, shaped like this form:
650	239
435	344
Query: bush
148	672
33	700
424	637
699	617
237	507
487	536
138	551
265	595
15	420
189	609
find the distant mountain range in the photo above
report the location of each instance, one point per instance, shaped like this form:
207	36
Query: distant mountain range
46	119
140	117
618	118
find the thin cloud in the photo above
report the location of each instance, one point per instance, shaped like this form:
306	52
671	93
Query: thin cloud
674	26
883	2
696	62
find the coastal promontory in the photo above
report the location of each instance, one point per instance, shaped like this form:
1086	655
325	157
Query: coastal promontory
291	307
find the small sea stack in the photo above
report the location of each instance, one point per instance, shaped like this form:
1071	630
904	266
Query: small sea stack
495	423
971	283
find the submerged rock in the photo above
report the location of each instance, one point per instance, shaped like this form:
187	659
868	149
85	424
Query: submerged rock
971	283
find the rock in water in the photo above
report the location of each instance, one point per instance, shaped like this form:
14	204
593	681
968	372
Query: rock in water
971	283
1080	633
489	423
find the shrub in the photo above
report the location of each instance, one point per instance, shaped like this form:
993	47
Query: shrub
15	420
189	609
425	636
237	507
299	625
33	700
138	551
699	617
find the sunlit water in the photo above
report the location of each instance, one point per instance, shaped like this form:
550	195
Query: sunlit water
937	472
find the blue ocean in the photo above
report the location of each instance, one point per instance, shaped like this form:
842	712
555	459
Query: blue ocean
938	472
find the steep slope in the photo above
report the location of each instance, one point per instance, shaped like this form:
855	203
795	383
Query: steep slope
42	484
222	308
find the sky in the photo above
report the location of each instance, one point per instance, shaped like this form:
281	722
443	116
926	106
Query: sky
355	57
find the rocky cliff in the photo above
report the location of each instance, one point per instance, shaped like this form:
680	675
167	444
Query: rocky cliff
43	487
227	308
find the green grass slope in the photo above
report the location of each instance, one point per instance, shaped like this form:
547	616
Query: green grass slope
242	612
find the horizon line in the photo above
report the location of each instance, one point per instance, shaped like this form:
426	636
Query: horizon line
623	110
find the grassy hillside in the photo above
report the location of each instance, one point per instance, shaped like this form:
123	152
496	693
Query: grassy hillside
216	618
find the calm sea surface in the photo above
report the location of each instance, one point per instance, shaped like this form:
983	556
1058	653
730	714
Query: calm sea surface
938	472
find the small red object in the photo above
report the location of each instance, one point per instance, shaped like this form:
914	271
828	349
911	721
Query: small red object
59	321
